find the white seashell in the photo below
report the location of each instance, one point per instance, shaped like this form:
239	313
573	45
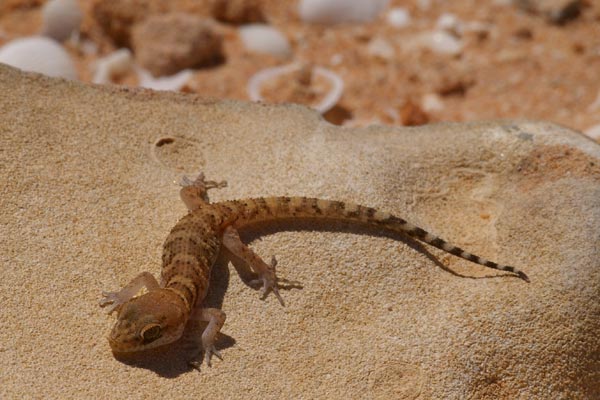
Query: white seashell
173	82
339	11
116	63
398	17
261	38
38	54
333	96
61	18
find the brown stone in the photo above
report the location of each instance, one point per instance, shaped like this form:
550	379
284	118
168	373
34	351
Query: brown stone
167	44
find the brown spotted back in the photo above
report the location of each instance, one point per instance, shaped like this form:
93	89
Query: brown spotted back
189	253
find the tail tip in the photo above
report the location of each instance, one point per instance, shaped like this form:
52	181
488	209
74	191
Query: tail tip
523	276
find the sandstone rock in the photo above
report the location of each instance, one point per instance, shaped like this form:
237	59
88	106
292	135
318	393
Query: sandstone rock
88	200
167	44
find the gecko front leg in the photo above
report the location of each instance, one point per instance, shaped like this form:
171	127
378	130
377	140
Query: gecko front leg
266	273
194	193
116	299
215	319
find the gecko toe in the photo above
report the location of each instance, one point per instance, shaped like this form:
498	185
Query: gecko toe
209	352
110	299
268	280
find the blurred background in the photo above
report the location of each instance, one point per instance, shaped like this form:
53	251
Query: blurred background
358	62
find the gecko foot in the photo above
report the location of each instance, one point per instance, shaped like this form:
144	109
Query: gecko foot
268	279
111	299
194	193
209	351
201	182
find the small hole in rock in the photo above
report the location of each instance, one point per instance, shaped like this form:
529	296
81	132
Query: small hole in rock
162	141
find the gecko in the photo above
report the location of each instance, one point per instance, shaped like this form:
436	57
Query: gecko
159	316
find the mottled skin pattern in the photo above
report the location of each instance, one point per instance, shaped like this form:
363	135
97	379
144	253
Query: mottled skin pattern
159	316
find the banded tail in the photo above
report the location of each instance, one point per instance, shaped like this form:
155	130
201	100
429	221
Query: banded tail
243	212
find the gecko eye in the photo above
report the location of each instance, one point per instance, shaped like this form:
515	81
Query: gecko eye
150	333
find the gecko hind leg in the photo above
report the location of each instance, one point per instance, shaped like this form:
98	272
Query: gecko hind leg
266	272
116	299
194	193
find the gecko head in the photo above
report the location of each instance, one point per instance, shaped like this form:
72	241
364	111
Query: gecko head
148	321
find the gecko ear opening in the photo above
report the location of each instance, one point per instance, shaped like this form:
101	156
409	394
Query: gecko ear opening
150	333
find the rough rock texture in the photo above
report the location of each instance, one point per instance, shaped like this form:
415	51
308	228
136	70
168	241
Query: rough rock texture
167	44
88	198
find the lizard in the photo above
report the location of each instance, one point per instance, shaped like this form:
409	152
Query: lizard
159	316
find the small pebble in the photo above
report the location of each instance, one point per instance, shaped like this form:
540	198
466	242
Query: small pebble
557	12
412	115
330	12
167	44
450	23
398	17
61	19
381	48
117	18
38	54
441	42
260	38
431	102
238	11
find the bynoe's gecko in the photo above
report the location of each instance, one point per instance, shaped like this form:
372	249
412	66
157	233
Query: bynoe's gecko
160	315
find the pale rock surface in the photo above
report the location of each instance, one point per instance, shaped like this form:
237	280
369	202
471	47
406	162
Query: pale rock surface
88	199
167	44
